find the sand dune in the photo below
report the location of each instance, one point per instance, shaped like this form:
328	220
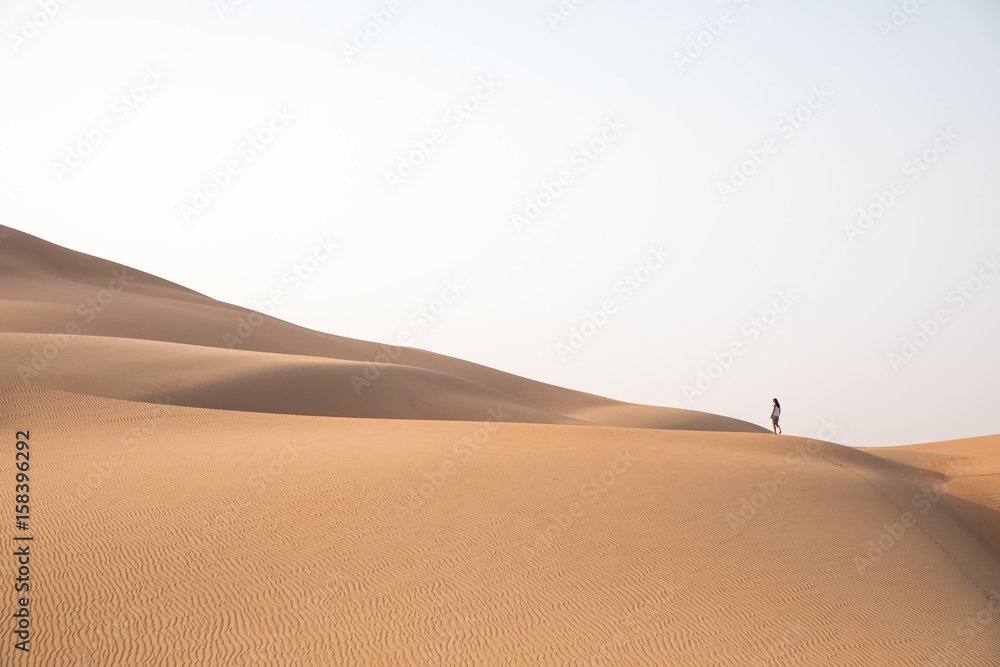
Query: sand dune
46	289
220	537
971	470
192	375
196	505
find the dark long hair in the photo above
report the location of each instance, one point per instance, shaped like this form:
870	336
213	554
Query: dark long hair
777	404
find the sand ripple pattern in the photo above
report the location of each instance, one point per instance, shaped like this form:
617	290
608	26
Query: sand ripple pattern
216	542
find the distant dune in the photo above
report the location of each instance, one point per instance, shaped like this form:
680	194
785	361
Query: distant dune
194	504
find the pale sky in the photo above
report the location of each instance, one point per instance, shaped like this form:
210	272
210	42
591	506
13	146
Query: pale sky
120	120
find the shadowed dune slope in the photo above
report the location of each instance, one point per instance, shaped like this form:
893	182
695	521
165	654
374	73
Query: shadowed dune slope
971	470
194	376
174	535
44	288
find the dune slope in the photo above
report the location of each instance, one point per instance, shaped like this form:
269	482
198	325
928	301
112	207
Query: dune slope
971	478
171	535
50	290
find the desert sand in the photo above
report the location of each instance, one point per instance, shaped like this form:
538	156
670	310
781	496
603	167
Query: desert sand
198	502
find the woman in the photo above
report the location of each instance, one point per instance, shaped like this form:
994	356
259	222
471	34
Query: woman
775	413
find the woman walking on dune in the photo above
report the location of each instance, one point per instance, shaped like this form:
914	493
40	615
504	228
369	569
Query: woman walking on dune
775	413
